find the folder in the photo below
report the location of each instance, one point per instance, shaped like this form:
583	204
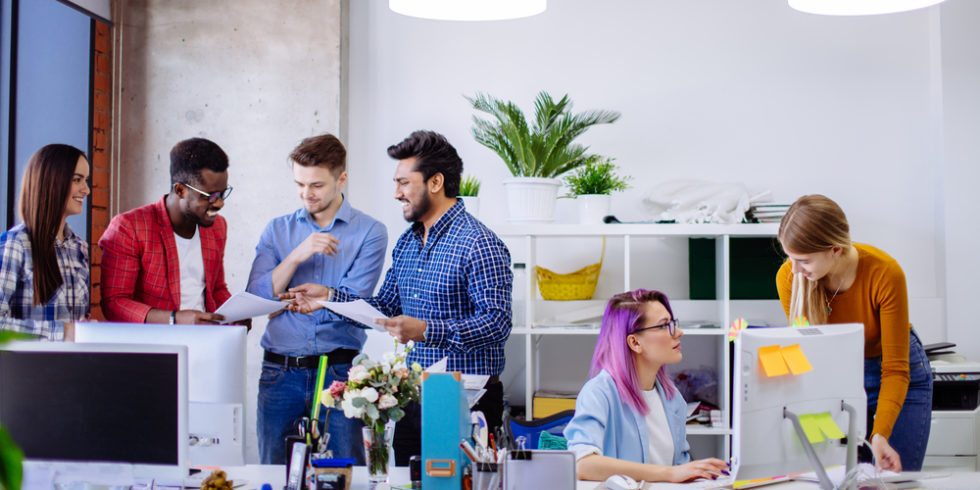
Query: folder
445	422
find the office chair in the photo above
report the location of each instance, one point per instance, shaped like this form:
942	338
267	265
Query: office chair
530	431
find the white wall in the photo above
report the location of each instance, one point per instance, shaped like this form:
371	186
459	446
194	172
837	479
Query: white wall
961	169
748	91
256	77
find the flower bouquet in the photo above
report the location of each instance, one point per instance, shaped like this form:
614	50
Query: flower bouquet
376	392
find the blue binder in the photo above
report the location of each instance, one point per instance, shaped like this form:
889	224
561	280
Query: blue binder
445	422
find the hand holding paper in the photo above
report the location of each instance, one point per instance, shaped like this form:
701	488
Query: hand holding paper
245	305
359	311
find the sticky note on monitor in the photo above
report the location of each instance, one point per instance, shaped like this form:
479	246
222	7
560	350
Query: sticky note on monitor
772	361
796	359
828	426
811	427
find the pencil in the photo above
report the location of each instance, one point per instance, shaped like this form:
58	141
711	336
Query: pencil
320	376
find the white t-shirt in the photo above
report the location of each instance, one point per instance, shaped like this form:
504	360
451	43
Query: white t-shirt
191	262
658	431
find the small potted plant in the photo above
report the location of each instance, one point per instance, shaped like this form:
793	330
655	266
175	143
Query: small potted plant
469	191
592	184
535	153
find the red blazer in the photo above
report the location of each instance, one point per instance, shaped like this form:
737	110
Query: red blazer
140	269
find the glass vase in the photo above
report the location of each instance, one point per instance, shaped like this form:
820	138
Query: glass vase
377	450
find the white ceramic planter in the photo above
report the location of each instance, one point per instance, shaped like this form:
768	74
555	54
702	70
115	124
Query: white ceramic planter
531	199
592	208
472	204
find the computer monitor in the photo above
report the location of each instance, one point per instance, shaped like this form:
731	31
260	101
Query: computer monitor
216	381
765	442
69	404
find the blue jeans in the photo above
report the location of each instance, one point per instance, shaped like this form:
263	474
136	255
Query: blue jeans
286	395
911	431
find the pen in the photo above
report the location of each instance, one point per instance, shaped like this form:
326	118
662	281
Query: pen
462	446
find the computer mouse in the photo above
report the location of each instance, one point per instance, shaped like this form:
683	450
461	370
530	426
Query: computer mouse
622	482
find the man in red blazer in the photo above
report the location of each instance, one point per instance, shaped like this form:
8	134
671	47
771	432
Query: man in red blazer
164	262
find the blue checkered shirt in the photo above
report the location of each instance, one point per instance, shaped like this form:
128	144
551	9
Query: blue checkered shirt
70	301
459	281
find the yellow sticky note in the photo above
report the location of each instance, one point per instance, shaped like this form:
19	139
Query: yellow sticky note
796	359
828	426
772	362
811	426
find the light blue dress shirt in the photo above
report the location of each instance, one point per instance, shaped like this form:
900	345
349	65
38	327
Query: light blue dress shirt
355	269
603	421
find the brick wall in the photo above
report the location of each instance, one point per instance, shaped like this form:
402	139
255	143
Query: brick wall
101	123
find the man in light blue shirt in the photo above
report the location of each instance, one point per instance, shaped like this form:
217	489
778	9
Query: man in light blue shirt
325	242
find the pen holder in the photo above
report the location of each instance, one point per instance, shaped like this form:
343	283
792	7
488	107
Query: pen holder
333	474
486	476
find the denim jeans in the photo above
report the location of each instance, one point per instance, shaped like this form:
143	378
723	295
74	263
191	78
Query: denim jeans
286	395
911	431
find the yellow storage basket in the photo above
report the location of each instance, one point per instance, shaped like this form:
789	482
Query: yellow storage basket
575	285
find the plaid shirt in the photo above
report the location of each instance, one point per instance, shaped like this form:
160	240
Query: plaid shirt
70	301
140	269
459	282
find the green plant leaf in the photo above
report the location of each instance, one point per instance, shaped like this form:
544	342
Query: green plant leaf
11	462
544	150
596	176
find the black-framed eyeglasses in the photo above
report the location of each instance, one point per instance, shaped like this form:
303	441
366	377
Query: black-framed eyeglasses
212	196
671	327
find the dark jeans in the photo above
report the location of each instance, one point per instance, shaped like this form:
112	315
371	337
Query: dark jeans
408	430
286	395
911	431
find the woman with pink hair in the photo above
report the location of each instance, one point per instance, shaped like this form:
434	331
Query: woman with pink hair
629	418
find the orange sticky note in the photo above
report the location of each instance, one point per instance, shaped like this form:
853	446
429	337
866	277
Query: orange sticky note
772	361
796	359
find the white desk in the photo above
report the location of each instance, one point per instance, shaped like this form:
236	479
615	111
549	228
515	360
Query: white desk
275	475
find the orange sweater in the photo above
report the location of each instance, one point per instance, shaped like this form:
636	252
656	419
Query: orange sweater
879	300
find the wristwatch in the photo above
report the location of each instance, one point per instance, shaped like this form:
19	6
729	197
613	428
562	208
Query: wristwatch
173	317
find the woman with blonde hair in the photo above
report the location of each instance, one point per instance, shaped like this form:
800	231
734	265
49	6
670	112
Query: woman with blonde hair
629	418
44	266
829	279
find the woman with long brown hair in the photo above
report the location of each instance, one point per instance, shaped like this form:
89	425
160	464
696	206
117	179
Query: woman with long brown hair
829	279
44	265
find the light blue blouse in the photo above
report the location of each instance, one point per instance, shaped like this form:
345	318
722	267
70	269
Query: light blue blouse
605	422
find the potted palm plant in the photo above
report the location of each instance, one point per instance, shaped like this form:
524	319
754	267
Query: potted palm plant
535	153
469	191
591	185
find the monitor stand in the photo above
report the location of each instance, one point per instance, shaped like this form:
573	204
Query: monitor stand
818	468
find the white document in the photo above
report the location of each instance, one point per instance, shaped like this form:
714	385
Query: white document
472	383
359	311
247	305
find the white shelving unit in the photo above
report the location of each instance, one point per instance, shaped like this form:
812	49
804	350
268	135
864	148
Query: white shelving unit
719	311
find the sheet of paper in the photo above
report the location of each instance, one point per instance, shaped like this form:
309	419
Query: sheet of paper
828	426
438	366
473	396
796	359
245	305
865	471
691	407
772	361
811	426
359	311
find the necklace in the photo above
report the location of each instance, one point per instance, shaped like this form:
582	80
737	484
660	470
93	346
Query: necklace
829	309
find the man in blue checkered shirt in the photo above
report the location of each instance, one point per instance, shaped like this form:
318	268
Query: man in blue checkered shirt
449	285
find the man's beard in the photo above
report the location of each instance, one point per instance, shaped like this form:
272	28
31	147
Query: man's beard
193	218
415	212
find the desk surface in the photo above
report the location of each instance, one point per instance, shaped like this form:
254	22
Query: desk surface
275	475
